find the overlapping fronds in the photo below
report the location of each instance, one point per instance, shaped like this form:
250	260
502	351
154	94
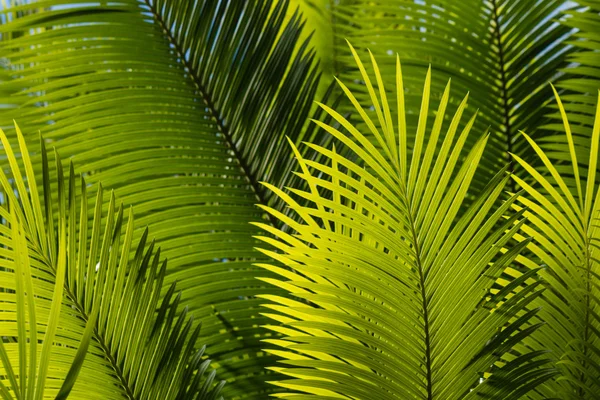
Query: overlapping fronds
563	219
181	107
502	51
81	283
578	85
393	288
30	381
316	15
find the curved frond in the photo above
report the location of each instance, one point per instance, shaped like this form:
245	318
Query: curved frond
578	86
59	284
503	52
392	281
181	107
30	381
562	217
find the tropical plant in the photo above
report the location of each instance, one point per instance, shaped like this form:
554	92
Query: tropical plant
393	294
503	52
53	279
20	293
182	107
565	227
579	85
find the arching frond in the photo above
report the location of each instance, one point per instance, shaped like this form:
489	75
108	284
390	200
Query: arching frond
503	52
65	287
563	220
578	88
393	288
28	378
181	107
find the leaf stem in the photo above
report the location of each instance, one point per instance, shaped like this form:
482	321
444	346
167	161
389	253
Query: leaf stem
425	305
214	112
586	333
100	340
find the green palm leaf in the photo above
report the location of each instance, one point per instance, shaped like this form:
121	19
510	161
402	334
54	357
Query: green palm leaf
563	221
30	381
74	288
181	107
578	87
393	290
502	51
315	14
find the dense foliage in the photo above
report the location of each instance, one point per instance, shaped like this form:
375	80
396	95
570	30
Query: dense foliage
411	216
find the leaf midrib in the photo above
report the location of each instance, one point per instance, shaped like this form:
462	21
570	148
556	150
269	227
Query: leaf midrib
214	111
102	343
586	333
81	314
425	305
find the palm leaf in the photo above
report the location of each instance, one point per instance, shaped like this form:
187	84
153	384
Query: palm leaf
563	221
578	88
502	51
79	289
181	107
316	17
30	381
393	290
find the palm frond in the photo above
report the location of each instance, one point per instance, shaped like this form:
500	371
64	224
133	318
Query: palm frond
392	288
135	344
563	220
503	52
316	15
30	381
181	107
578	86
